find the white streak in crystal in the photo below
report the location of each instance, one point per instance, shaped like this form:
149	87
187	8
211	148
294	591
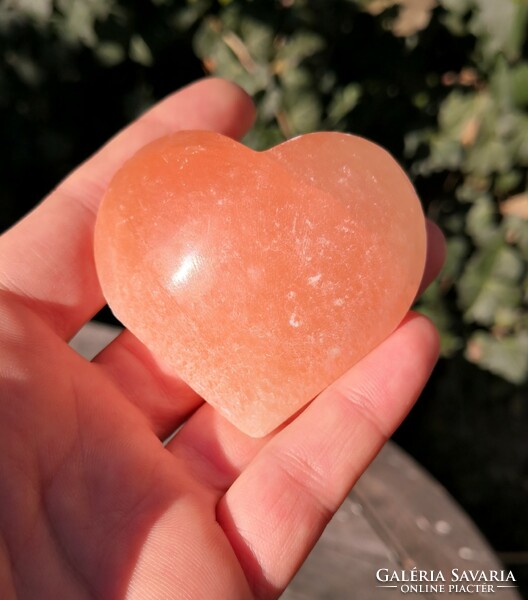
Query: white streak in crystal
294	226
314	280
294	321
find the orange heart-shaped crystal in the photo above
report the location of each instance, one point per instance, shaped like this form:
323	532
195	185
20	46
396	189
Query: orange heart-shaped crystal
259	278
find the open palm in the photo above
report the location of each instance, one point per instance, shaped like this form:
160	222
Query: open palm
92	504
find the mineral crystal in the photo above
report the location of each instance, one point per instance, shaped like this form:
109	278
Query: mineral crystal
259	278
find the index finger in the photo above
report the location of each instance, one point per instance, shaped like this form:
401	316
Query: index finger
47	258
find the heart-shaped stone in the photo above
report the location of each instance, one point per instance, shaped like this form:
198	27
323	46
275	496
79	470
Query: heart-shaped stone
259	278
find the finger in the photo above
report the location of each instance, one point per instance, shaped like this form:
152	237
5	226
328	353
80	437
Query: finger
435	257
47	257
300	478
213	451
164	398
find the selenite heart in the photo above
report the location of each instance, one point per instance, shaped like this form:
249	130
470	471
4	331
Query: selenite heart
259	278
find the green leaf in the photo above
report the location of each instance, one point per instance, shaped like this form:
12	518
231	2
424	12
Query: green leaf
258	39
506	182
454	16
458	7
304	113
516	232
492	155
506	357
295	81
490	281
519	83
139	51
459	113
456	109
499	27
457	248
344	101
226	55
79	18
300	46
481	221
446	154
39	10
184	17
110	53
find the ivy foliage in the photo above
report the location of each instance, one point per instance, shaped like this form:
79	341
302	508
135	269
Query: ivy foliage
443	84
449	79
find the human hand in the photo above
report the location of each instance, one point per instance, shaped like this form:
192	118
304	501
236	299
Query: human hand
92	504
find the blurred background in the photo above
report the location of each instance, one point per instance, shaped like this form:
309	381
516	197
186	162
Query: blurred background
442	84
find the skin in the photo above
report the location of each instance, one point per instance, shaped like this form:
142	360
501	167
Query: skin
92	504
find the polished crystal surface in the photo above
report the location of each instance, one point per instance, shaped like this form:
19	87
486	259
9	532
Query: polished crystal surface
259	278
